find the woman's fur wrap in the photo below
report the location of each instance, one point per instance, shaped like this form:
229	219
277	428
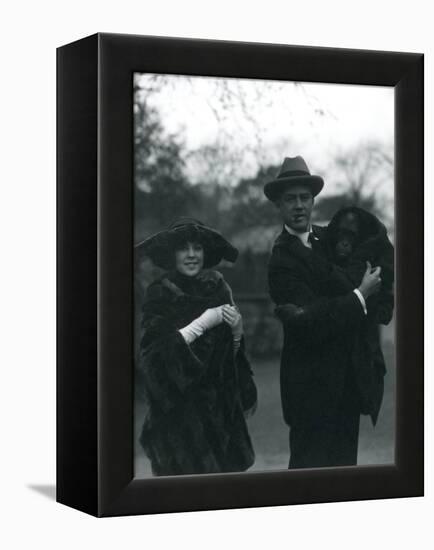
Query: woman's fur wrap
197	394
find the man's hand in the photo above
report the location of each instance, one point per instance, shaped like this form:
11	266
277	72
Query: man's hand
371	281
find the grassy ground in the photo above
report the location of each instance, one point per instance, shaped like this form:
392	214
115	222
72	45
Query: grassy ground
270	434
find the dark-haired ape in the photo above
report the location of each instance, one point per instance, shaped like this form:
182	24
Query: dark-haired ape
347	237
353	238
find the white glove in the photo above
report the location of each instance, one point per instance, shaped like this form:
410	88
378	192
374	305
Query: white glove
209	319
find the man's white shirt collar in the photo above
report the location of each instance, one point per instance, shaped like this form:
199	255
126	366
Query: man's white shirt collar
304	237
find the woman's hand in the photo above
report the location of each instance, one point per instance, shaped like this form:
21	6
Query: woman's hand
233	318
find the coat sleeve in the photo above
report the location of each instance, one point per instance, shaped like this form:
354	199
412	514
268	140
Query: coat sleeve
168	365
317	318
381	306
248	391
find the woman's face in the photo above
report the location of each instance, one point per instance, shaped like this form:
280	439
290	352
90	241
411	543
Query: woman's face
189	259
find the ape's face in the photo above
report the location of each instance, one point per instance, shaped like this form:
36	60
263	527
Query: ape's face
347	236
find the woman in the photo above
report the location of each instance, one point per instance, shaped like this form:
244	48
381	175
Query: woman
197	379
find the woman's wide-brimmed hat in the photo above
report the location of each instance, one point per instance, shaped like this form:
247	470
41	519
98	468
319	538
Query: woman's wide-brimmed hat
161	246
294	171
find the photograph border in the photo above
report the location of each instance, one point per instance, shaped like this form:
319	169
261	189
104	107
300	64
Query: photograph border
95	365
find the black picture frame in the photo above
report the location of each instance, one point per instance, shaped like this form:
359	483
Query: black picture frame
95	274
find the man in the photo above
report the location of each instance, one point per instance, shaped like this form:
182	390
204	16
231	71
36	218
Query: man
320	397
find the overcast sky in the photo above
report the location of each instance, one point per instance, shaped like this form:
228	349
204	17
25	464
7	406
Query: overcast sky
316	121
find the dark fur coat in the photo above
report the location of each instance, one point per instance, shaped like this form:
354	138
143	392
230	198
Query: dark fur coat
197	393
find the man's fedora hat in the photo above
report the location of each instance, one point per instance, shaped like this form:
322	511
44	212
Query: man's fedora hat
161	246
294	171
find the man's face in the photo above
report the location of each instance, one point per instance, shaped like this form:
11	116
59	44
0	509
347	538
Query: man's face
295	206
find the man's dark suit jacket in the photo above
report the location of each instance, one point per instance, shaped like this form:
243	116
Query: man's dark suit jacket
317	353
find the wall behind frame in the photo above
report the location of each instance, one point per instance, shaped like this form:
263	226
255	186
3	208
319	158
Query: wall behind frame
31	34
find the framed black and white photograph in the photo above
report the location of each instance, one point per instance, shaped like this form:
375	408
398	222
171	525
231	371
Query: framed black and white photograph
236	331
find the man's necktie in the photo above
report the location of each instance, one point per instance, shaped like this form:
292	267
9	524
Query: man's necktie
313	241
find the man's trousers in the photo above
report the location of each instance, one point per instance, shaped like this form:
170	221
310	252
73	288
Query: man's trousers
331	442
